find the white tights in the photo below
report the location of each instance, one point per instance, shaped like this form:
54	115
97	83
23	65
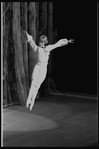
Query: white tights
38	77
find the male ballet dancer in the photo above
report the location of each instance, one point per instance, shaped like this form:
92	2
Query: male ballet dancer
42	55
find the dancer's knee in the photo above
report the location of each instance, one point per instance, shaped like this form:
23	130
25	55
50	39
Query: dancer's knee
37	85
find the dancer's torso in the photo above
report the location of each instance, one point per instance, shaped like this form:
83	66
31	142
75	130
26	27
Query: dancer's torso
42	56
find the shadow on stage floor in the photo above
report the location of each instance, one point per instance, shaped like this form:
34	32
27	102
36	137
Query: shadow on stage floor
55	121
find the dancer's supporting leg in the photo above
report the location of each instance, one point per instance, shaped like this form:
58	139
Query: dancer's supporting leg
30	93
37	86
32	89
34	97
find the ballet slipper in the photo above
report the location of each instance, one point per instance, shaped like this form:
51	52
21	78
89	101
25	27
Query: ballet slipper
28	102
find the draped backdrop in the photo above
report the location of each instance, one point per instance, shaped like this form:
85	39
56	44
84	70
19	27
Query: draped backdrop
36	18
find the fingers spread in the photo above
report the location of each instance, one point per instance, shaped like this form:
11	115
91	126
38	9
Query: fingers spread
71	41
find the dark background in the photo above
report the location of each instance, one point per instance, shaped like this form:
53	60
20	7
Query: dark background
75	65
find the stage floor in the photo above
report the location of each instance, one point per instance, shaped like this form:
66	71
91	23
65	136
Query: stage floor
55	121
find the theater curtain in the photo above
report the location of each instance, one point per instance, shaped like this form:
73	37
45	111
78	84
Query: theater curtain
36	18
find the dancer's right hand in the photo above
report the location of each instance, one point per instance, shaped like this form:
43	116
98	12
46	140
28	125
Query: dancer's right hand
27	36
24	33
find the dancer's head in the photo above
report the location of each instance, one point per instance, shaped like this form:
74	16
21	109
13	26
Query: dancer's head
43	41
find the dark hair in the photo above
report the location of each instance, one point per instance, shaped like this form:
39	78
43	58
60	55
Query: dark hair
43	38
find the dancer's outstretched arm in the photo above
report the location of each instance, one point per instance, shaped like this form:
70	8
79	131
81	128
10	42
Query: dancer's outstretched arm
30	40
60	43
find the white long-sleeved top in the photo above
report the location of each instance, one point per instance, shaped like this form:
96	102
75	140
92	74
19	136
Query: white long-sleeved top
43	56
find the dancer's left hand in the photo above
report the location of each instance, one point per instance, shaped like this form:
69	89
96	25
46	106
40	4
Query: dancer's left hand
71	41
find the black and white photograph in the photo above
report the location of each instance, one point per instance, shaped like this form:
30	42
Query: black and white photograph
49	74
